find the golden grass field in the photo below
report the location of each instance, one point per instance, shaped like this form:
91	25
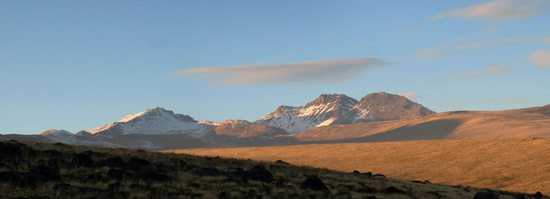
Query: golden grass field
521	165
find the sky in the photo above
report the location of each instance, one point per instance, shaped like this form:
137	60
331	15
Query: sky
81	64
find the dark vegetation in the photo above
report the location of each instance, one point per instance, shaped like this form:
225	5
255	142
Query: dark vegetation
38	170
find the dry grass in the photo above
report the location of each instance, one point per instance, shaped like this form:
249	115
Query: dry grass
521	165
60	171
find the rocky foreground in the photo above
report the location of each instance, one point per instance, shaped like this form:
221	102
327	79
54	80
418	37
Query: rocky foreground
35	170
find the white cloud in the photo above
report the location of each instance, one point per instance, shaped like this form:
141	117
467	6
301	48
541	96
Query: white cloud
491	43
428	54
410	95
541	58
494	10
314	71
492	70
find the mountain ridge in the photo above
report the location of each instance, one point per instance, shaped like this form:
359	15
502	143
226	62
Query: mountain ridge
329	109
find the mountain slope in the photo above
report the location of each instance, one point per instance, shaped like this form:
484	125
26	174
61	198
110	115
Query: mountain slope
320	112
510	164
154	121
518	123
244	129
38	170
383	107
330	109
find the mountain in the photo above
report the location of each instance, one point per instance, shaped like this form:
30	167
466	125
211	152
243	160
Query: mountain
245	129
154	121
330	109
383	107
518	123
59	135
322	111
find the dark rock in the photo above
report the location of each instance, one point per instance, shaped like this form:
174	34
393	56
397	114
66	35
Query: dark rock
63	187
114	162
281	162
486	195
367	189
139	187
114	186
393	190
9	177
94	178
117	175
379	175
82	160
137	164
14	151
356	172
47	173
237	175
343	195
223	195
314	183
150	175
59	144
434	194
208	171
538	195
259	173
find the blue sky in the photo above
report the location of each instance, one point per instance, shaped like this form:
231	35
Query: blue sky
81	64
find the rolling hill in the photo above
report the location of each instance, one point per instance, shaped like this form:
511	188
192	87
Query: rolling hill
509	164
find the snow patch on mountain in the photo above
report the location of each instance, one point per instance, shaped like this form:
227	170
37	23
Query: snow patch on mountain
154	121
324	110
330	109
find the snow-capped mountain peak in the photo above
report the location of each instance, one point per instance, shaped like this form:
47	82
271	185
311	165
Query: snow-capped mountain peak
328	109
319	112
153	121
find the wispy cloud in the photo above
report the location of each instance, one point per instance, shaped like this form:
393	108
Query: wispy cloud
314	71
493	70
546	40
541	58
494	10
491	43
465	43
428	54
484	72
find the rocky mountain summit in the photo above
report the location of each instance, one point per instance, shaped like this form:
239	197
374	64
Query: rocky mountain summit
329	109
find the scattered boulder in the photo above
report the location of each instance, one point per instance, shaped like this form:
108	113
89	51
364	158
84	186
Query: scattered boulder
150	175
94	178
486	195
259	173
538	195
82	160
314	183
393	190
45	172
281	162
114	186
114	162
117	175
208	171
9	177
356	172
63	187
137	164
